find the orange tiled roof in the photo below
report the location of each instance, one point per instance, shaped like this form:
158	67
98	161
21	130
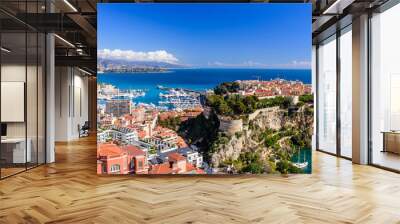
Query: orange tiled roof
161	169
176	157
115	150
109	150
191	168
133	150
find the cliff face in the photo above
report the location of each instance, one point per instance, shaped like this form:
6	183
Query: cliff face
274	120
268	118
230	126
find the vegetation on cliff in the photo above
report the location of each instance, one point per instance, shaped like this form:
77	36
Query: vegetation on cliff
200	131
236	105
253	162
306	98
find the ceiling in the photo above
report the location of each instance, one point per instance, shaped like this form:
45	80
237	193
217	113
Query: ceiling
75	22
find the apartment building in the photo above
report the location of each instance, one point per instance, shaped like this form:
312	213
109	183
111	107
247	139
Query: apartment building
123	135
115	159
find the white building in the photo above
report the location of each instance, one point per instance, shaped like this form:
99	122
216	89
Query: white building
123	135
192	156
102	136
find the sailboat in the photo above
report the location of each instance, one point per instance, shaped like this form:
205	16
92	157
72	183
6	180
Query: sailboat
301	165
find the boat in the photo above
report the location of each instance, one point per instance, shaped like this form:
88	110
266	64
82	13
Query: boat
301	165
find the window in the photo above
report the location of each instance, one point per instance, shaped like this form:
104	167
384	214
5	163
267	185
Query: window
115	168
22	69
385	89
132	164
346	92
327	95
104	168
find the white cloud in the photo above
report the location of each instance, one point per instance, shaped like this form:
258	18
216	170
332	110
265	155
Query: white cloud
299	64
129	55
246	64
307	63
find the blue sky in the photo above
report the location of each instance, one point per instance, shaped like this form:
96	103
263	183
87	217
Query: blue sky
207	35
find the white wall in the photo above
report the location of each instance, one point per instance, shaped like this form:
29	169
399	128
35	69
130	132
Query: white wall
33	127
71	102
12	73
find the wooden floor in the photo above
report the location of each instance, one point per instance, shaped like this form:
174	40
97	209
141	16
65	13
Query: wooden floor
69	191
387	159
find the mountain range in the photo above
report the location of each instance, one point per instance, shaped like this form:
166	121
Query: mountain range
107	63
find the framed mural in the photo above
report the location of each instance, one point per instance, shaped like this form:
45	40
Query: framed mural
204	88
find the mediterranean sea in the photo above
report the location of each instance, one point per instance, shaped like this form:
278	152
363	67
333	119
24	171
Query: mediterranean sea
195	79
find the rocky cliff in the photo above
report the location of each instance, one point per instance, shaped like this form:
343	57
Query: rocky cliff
266	131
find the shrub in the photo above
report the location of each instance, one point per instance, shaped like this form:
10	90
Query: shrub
238	134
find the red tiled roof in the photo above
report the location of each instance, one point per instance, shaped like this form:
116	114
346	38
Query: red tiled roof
133	150
115	150
191	168
108	150
161	169
176	157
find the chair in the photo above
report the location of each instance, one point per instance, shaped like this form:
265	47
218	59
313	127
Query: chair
84	130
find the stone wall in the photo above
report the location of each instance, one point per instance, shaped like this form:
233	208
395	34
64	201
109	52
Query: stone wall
261	111
230	126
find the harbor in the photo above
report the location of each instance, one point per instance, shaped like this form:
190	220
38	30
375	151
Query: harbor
109	92
167	98
178	98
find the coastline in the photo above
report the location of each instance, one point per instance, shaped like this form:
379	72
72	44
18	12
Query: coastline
134	73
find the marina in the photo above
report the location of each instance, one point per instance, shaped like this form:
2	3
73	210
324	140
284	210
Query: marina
179	99
109	92
169	98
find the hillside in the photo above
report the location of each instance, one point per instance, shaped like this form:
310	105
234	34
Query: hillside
262	142
109	64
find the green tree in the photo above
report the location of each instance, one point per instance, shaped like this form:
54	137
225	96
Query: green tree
306	98
224	109
254	167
